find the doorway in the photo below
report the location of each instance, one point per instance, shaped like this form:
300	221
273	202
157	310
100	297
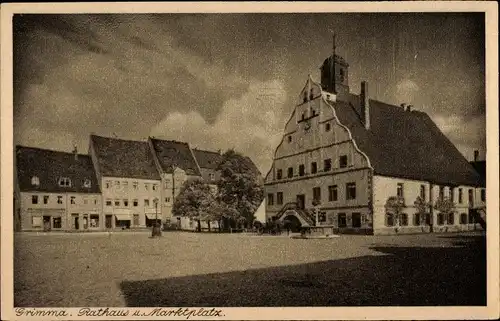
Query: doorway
301	201
76	221
46	223
109	221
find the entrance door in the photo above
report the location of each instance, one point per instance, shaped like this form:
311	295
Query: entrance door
109	219
76	222
46	223
301	201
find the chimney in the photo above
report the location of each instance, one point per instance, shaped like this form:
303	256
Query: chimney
409	107
75	153
476	155
365	104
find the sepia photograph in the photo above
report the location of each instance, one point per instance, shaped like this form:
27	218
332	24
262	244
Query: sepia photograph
249	159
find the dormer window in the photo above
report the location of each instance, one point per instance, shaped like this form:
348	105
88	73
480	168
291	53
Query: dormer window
289	139
35	181
305	96
64	182
327	127
87	183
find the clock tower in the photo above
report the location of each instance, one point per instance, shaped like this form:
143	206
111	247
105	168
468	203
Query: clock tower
335	75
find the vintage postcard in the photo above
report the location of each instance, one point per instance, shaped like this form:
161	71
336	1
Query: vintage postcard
257	161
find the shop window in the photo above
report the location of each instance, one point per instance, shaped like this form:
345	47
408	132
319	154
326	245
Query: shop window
94	220
356	220
57	222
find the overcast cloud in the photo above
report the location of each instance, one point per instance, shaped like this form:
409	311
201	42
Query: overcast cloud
219	81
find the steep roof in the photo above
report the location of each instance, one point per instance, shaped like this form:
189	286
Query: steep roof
49	166
207	159
124	158
170	152
406	144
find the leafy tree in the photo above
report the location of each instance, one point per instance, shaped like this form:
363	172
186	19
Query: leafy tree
395	205
423	209
445	206
196	201
240	188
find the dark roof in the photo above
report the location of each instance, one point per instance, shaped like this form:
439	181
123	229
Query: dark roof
170	152
480	167
338	59
207	159
49	166
124	158
406	144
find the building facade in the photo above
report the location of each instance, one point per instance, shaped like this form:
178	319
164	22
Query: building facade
130	183
344	156
56	191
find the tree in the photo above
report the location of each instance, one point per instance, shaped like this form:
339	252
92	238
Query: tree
423	209
196	201
444	205
240	189
394	205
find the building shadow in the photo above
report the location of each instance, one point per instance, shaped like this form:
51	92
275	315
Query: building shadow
393	276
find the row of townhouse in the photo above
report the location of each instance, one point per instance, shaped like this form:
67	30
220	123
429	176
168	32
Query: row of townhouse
119	184
342	156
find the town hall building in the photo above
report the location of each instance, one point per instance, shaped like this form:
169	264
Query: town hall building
343	156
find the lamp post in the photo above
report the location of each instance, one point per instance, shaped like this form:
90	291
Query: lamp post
156	228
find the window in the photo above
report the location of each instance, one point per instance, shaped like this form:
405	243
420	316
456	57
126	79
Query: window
350	191
36	221
305	96
452	194
167	199
146	186
428	219
441	192
327	165
45	199
471	219
125	186
422	192
94	220
96	201
56	222
64	182
403	219
135	185
72	200
301	170
416	219
135	203
59	199
451	218
155	187
34	199
317	194
87	183
440	218
109	203
327	127
342	220
136	219
332	193
108	184
125	202
270	199
399	191
356	220
314	112
279	198
289	138
322	217
471	196
311	95
35	181
117	203
463	218
314	168
212	176
166	184
389	219
290	172
460	196
483	195
279	174
85	201
117	184
146	202
303	116
343	161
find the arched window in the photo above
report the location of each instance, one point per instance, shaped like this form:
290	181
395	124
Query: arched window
35	181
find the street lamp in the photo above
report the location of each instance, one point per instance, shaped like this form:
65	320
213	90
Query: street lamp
156	228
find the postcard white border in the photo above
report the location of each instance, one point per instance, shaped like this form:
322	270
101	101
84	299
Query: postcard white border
307	313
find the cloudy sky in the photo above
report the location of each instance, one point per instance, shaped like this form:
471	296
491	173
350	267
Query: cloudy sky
224	81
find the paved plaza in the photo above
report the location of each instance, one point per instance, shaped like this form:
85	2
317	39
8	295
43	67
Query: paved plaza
194	269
